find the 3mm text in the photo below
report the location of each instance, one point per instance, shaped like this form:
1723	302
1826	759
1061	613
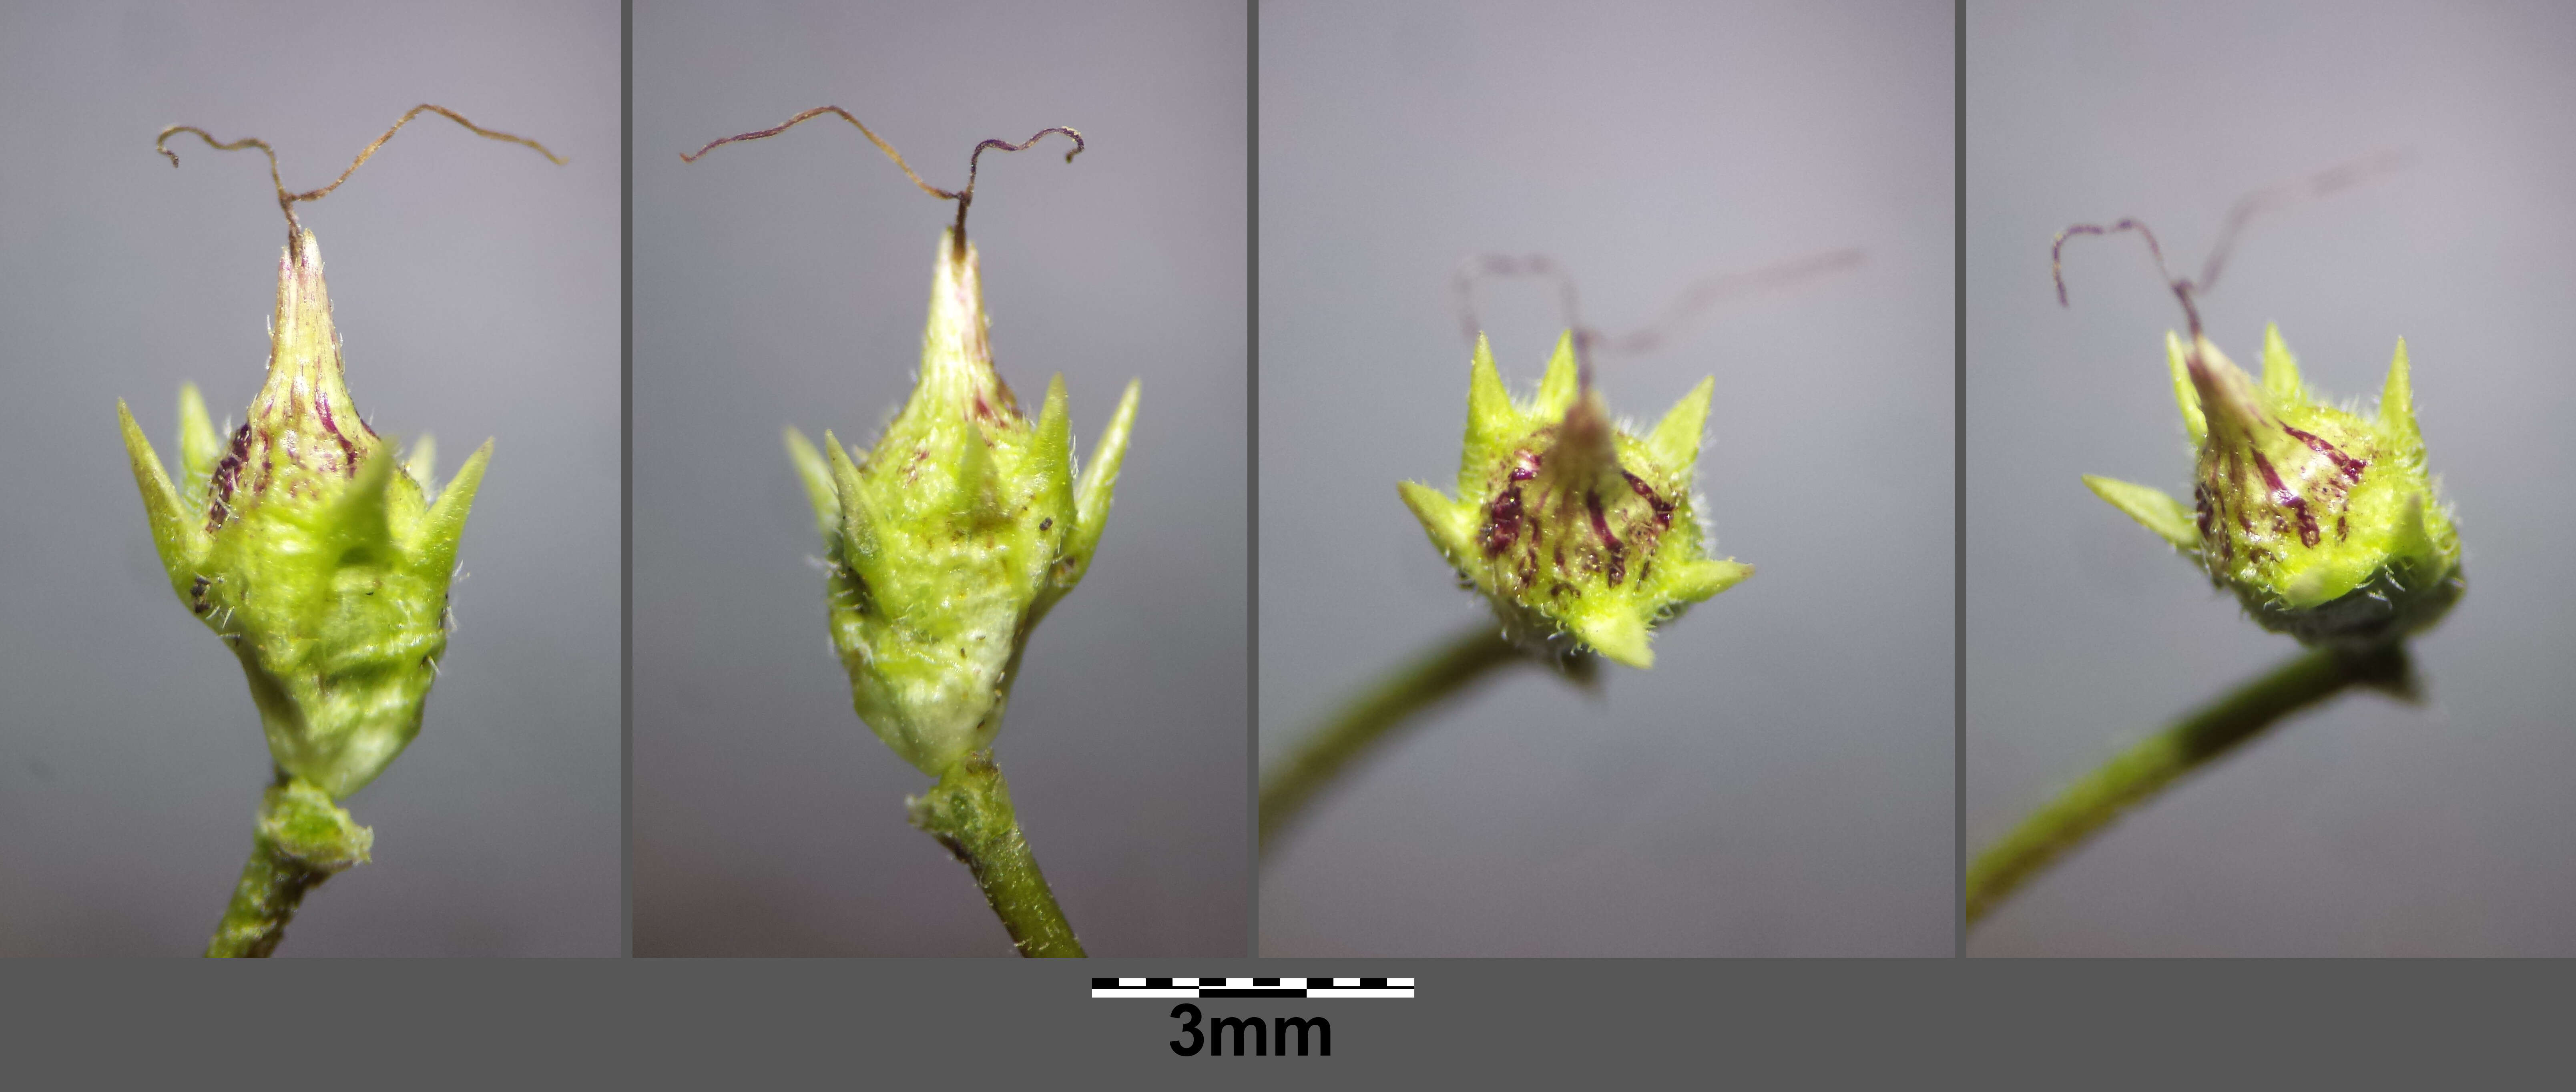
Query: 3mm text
1267	1039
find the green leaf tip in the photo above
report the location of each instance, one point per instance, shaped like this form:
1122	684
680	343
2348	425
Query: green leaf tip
1582	536
816	476
1675	441
2321	521
955	533
2280	369
200	448
311	550
2154	509
176	535
2195	424
2397	402
1558	385
442	526
1100	479
421	462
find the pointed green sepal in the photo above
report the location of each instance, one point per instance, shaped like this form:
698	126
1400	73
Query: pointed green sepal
1557	387
421	462
442	526
1100	479
2397	402
176	533
358	522
1447	523
199	447
861	526
817	478
1050	460
2195	424
1701	580
975	483
2280	369
1620	638
1675	441
1489	403
1493	423
2154	509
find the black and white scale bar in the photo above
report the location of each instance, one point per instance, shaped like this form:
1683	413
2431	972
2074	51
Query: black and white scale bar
1252	987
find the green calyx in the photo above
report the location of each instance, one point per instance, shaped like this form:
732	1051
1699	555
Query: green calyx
2324	523
951	539
310	550
1578	532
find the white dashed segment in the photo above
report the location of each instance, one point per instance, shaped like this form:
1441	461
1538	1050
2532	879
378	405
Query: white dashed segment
1195	988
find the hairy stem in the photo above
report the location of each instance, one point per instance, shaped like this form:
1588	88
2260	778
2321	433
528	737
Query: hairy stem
2146	768
969	811
1445	672
303	839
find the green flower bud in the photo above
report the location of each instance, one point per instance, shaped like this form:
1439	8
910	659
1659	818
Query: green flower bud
319	558
2323	522
1579	533
951	539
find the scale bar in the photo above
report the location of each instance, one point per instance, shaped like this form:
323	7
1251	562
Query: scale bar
1252	987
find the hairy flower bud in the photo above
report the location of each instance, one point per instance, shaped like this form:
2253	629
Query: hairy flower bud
2324	523
951	538
1573	528
322	561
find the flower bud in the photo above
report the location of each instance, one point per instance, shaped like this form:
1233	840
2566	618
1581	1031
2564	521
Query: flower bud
2324	523
322	561
1577	531
951	538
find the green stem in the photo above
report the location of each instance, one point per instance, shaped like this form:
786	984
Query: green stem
303	839
1372	717
969	811
2157	761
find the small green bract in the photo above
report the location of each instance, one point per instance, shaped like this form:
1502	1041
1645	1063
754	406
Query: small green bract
310	550
2324	523
1574	529
951	539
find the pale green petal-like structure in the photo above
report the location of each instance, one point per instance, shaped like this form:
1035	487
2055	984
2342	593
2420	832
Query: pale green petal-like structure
1580	534
952	537
310	549
2325	523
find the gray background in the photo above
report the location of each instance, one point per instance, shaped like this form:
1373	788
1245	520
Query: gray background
2367	827
786	280
1782	781
475	286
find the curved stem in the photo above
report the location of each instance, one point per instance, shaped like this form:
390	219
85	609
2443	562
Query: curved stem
2146	768
303	839
969	811
1370	718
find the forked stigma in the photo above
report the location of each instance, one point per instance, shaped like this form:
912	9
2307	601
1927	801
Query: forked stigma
1699	298
286	200
974	160
2268	199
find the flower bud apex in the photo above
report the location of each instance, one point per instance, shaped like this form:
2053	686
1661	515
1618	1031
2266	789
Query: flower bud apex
1575	530
322	561
2323	522
951	538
